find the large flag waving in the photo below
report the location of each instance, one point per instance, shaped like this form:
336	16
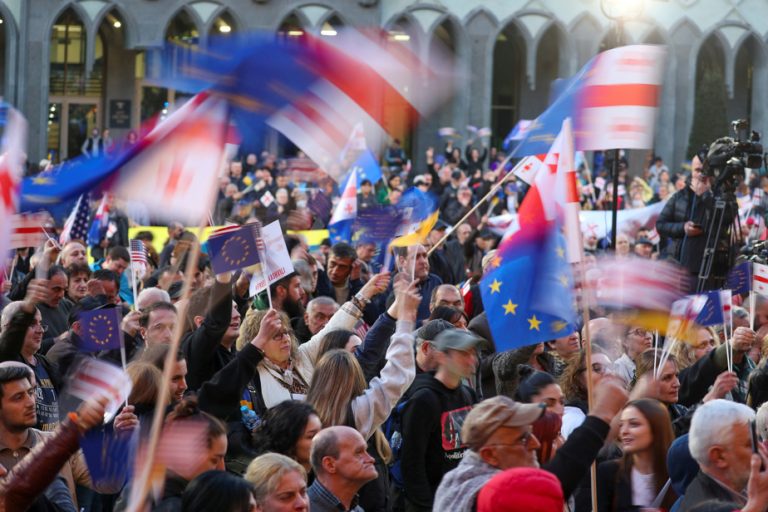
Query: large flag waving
613	101
340	226
175	175
11	162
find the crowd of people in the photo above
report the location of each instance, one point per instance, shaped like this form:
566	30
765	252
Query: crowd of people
373	389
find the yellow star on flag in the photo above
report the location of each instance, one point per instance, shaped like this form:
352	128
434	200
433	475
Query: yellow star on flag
42	180
496	261
534	323
510	307
560	252
558	325
495	286
563	280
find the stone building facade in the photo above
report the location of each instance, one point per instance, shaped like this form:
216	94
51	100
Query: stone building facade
71	66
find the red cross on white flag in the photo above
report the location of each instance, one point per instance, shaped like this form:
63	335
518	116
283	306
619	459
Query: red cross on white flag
11	170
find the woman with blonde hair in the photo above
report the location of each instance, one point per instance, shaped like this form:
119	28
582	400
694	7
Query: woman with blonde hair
688	353
340	395
279	483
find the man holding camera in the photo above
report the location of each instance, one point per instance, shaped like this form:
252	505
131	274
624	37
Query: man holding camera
682	222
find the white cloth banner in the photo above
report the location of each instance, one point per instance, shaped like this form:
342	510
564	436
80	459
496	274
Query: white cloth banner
278	259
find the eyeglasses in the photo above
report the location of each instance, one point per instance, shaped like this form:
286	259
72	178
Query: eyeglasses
524	440
281	335
40	326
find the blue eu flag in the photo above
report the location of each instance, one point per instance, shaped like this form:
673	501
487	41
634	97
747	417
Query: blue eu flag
233	250
739	278
100	329
527	295
712	313
109	455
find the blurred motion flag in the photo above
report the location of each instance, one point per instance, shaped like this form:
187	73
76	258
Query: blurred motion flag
682	318
527	294
340	226
613	101
712	312
355	144
517	133
376	225
367	168
175	175
527	168
12	157
233	249
760	279
419	235
100	221
739	278
448	131
99	329
95	378
109	455
365	77
171	170
76	225
28	230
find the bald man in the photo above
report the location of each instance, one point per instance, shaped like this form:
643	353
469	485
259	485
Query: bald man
342	466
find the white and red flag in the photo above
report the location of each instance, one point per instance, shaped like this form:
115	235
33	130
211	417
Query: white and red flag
618	105
95	378
175	171
11	170
28	230
760	279
367	79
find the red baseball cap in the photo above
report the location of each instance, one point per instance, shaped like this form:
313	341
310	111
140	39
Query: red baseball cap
518	489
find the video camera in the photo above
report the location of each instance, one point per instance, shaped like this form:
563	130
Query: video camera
727	158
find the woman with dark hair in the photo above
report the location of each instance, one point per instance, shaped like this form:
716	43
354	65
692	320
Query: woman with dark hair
457	317
288	429
187	418
220	491
537	387
341	339
639	479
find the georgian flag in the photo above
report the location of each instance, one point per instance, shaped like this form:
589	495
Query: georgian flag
760	279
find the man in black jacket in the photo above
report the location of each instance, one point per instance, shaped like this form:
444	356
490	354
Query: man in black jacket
685	218
432	419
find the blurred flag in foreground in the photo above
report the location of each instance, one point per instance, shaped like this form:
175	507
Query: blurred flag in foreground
739	278
100	329
760	279
682	318
340	226
96	378
109	455
11	170
28	230
712	312
613	101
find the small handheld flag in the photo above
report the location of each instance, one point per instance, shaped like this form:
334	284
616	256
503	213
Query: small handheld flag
233	250
95	378
100	329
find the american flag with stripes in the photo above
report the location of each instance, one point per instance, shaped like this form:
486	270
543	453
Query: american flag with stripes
76	225
27	230
95	379
138	252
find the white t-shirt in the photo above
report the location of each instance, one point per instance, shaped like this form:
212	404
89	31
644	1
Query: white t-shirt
643	489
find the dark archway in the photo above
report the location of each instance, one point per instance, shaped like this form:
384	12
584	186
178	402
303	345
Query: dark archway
508	80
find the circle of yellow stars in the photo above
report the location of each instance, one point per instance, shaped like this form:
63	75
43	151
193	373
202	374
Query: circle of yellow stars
93	325
510	308
235	250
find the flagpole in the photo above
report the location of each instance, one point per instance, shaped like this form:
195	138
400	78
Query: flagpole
135	295
752	309
261	247
588	364
136	503
477	205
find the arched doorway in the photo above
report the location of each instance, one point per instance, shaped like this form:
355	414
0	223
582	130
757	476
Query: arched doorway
508	81
75	93
740	105
223	25
710	120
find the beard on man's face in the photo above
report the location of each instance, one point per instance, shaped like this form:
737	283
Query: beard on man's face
293	308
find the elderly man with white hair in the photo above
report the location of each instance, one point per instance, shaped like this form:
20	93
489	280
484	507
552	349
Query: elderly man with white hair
719	440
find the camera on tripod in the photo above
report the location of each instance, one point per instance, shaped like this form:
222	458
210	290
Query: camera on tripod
728	157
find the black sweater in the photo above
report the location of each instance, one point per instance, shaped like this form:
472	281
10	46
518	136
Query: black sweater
431	428
202	347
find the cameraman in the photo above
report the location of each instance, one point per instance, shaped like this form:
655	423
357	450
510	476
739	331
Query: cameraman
683	218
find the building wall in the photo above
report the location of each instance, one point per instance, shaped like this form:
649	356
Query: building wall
579	26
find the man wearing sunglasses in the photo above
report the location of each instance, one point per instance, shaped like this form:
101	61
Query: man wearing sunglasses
498	433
